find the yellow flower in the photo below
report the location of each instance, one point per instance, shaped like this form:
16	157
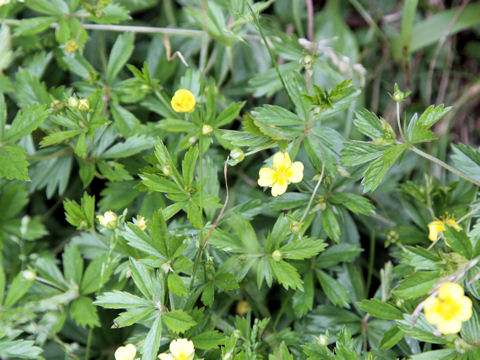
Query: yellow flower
83	105
109	220
4	2
127	352
183	101
449	309
182	349
243	307
140	222
165	356
283	173
437	226
71	46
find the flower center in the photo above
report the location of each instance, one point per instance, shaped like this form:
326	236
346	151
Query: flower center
182	356
449	308
282	173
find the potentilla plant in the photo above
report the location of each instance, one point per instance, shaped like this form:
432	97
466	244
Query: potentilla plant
223	190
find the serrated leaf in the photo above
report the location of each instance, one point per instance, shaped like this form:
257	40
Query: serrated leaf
152	340
208	340
121	51
391	337
84	313
353	202
459	241
121	300
12	163
417	284
176	285
17	289
97	274
188	164
330	224
72	264
132	316
142	277
302	249
333	289
380	309
178	321
286	274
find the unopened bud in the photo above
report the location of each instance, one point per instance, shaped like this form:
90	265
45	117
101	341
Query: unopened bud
71	46
237	155
307	61
83	105
399	95
277	255
296	227
29	275
207	130
167	170
73	102
322	340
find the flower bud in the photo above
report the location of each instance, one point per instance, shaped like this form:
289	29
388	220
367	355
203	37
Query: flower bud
29	275
71	46
296	227
277	255
322	340
399	95
307	61
207	130
83	105
243	307
73	102
167	170
237	155
108	220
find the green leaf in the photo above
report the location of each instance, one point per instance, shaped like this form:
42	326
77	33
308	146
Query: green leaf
422	330
25	122
359	152
226	281
333	289
459	241
84	312
208	340
81	216
176	285
391	337
126	122
176	125
13	198
401	45
34	25
12	163
3	115
133	145
188	164
157	183
445	23
23	349
142	277
97	274
152	340
418	128
273	115
59	137
353	202
379	167
286	274
445	354
380	309
121	300
72	264
121	51
2	285
132	316
228	114
81	146
178	321
330	224
368	124
17	289
467	160
138	239
302	249
417	284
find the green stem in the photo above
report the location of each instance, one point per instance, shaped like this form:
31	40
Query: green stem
470	213
270	52
314	190
371	261
89	343
444	165
399	123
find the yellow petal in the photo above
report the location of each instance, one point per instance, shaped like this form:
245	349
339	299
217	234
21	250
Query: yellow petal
266	177
451	222
182	349
432	310
297	172
279	188
434	228
127	352
165	356
449	327
451	290
281	160
465	311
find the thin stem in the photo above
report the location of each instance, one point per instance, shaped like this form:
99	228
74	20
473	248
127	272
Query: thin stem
89	343
270	52
470	213
314	190
310	19
444	165
399	123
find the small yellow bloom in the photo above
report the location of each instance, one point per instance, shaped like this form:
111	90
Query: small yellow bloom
140	222
109	220
449	309
71	46
437	226
83	105
283	173
182	349
4	2
127	352
165	356
183	101
243	307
